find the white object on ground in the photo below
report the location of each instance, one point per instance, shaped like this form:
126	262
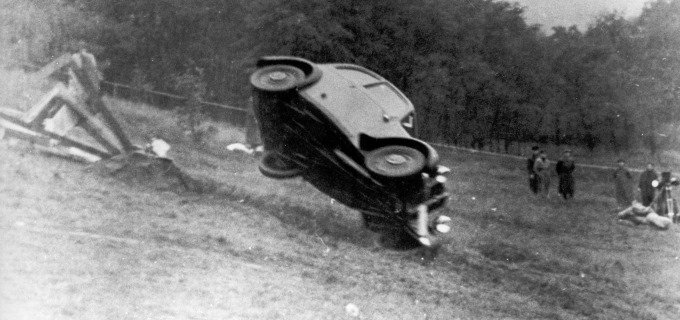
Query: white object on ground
160	147
239	147
352	310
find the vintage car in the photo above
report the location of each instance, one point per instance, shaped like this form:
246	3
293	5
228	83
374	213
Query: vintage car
347	131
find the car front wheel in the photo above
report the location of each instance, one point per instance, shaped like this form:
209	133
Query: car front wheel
395	161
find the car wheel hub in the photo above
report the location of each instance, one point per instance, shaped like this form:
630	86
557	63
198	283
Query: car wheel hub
278	76
395	159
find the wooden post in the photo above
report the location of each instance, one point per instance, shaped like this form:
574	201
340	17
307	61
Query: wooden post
88	75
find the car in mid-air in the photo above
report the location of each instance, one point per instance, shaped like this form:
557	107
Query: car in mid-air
348	132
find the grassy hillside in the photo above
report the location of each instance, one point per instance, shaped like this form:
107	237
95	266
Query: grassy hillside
78	245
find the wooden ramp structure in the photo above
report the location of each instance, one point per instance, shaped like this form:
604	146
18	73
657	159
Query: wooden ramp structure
71	119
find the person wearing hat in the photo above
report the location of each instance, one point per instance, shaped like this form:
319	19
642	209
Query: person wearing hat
533	178
623	184
565	171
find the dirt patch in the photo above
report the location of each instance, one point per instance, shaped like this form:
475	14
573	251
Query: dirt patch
148	170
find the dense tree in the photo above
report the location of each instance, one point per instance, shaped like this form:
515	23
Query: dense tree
475	70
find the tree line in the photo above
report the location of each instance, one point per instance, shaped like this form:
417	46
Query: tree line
475	69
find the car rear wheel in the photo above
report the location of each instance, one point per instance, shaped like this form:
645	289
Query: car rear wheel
395	161
276	78
275	167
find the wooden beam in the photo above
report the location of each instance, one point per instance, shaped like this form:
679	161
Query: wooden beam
88	76
95	127
62	140
41	110
57	64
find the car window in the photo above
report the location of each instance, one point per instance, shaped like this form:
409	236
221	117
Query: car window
391	101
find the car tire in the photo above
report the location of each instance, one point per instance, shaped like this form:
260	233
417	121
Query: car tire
273	166
395	161
277	78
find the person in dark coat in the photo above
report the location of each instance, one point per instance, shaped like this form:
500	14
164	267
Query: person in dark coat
253	138
533	178
647	190
565	171
623	183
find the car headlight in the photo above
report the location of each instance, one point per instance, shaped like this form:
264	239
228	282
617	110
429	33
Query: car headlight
443	228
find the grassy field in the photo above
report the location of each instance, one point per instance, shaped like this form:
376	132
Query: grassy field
78	245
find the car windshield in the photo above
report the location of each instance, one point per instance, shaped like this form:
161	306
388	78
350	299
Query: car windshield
391	101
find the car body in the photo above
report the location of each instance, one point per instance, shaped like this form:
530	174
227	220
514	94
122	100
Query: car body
347	131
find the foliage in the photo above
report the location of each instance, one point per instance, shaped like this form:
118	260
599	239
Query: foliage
191	85
475	70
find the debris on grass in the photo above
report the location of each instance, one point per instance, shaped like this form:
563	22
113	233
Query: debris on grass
352	310
70	120
240	147
140	168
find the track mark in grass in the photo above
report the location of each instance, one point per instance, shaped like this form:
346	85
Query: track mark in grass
20	226
499	251
174	244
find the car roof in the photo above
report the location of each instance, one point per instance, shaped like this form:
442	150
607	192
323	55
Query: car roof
359	101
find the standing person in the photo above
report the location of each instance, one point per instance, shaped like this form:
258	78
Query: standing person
541	166
253	138
647	190
623	182
533	179
565	171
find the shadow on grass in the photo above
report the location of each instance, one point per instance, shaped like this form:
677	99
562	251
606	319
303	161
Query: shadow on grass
324	221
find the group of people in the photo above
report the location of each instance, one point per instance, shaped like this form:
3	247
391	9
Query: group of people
623	181
539	174
655	207
636	210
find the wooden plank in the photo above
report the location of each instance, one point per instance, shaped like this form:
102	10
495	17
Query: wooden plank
55	65
12	130
41	110
91	76
58	98
62	140
88	76
92	124
113	124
